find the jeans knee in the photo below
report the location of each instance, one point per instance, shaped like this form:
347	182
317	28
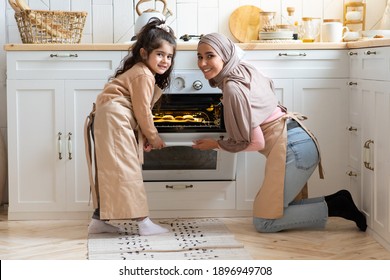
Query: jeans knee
263	225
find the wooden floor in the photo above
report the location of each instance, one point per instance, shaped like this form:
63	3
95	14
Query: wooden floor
67	240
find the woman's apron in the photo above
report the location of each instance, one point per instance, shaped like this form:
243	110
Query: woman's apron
268	203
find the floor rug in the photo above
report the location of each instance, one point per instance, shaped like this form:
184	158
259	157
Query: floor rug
187	239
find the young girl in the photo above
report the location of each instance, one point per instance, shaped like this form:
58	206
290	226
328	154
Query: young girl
122	128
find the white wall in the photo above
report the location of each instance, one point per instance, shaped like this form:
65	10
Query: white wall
112	21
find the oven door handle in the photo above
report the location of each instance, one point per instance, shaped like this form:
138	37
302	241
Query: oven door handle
175	144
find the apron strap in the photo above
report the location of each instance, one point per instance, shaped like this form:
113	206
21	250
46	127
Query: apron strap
298	117
88	139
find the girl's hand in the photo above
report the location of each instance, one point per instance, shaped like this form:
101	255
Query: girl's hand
205	144
159	144
147	147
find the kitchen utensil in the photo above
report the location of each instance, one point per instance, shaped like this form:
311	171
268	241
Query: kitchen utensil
351	36
146	15
244	23
309	30
276	35
48	27
267	22
353	16
187	37
332	30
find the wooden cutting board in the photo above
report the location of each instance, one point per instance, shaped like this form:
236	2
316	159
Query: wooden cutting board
244	23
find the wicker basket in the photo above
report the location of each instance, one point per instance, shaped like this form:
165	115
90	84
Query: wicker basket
50	27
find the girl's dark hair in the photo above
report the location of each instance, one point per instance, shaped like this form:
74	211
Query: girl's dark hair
150	38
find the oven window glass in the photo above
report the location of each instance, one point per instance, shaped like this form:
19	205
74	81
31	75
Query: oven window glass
180	158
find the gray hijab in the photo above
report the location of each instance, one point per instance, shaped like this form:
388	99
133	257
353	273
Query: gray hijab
227	50
248	96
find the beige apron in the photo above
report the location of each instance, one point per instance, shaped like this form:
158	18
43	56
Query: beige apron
268	203
117	187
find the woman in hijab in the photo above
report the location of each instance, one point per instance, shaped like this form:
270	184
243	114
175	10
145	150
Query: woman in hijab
255	121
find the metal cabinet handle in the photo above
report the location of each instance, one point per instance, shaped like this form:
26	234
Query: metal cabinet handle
179	187
352	53
70	146
370	52
367	154
292	54
352	83
59	145
351	128
352	174
64	55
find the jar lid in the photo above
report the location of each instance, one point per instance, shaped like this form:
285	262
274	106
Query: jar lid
290	9
283	26
332	20
267	13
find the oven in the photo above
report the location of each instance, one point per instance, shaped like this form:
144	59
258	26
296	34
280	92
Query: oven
189	110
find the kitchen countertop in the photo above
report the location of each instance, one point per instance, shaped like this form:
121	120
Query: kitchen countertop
189	46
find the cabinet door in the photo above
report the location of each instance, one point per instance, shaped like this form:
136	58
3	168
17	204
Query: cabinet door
376	154
325	103
79	97
35	132
284	92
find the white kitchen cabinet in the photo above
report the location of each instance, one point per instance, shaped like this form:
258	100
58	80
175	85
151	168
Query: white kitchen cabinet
49	96
35	184
325	103
375	148
370	114
48	171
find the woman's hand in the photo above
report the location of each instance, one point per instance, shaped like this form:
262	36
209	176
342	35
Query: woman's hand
205	144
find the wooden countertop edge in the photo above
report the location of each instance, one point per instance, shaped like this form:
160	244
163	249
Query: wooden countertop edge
192	46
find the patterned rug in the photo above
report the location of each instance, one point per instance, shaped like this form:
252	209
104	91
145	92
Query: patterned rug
187	239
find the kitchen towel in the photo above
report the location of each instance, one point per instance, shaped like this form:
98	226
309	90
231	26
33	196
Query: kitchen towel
187	239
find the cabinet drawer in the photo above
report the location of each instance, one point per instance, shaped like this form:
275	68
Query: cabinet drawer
92	65
300	63
191	195
370	63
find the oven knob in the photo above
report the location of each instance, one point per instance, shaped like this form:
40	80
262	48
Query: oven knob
179	83
197	85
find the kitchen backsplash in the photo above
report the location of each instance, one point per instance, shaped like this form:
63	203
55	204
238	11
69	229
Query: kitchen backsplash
112	21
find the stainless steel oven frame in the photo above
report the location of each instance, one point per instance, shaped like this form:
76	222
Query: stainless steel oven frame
190	83
225	167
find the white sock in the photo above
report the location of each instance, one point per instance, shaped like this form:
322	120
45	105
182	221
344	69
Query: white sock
99	226
147	227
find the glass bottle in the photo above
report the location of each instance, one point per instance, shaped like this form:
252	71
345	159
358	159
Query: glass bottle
292	22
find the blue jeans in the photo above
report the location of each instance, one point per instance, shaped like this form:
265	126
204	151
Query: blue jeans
301	161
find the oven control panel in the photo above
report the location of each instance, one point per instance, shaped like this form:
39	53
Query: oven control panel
190	81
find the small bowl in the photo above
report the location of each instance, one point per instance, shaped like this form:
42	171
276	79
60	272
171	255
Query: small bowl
353	16
351	36
376	33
